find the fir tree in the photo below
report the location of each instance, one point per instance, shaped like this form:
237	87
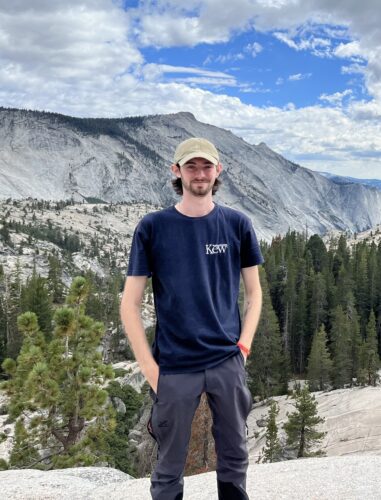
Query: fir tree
301	425
35	297
317	303
55	390
369	358
267	366
361	289
318	252
119	440
3	322
341	349
5	236
319	362
272	449
299	324
11	309
355	336
55	279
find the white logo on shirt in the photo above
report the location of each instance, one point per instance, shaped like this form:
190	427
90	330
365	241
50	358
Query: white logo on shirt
212	248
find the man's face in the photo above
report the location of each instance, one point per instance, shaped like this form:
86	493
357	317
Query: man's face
198	176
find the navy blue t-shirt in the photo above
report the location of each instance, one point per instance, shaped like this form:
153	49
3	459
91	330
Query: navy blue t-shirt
195	265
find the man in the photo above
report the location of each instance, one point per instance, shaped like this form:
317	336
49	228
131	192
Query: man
195	251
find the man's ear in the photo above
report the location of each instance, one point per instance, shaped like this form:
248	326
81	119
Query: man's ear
219	168
175	169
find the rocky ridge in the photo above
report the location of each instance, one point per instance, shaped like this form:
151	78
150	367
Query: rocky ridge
51	156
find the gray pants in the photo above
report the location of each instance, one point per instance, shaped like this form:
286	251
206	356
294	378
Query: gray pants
177	398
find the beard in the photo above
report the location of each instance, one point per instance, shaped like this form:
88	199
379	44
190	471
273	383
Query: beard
198	188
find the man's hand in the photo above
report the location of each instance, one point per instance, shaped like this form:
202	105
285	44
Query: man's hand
244	356
151	373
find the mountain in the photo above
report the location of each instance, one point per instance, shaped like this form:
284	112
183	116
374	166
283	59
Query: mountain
339	179
51	156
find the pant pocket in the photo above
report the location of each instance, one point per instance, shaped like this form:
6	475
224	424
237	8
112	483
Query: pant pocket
155	398
149	424
242	357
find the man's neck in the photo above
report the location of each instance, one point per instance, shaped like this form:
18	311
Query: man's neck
195	208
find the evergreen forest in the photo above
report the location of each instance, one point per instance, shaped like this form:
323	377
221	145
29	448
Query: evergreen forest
321	315
320	322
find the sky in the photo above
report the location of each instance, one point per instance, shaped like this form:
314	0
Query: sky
303	76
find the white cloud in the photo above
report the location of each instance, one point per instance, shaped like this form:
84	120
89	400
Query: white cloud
254	48
348	50
67	44
157	72
283	37
299	76
229	57
318	46
248	88
301	24
84	59
167	68
353	69
167	30
337	97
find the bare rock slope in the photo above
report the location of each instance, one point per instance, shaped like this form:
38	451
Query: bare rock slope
339	478
50	156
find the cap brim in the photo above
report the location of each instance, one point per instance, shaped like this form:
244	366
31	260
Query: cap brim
198	154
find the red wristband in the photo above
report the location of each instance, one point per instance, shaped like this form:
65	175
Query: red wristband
243	348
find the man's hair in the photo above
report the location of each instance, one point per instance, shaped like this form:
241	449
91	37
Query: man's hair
178	185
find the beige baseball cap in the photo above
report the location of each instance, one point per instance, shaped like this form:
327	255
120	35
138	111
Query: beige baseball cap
196	147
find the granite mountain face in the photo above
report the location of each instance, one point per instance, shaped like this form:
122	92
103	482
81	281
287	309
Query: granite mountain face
51	156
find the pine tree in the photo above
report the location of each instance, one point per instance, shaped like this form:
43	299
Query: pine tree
121	449
11	309
300	427
5	236
344	288
369	358
372	276
272	449
317	302
55	279
356	339
3	322
361	289
294	328
319	362
35	297
55	390
341	349
267	366
318	251
299	324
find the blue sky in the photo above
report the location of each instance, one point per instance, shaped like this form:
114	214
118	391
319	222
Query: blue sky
303	76
264	70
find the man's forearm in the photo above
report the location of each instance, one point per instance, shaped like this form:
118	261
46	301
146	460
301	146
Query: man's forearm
252	313
133	326
134	329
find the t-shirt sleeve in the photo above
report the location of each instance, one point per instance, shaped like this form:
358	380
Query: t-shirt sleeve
139	263
251	254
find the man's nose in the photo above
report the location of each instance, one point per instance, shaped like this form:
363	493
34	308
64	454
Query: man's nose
200	172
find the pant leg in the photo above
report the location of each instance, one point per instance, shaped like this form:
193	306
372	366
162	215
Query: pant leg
174	406
230	402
